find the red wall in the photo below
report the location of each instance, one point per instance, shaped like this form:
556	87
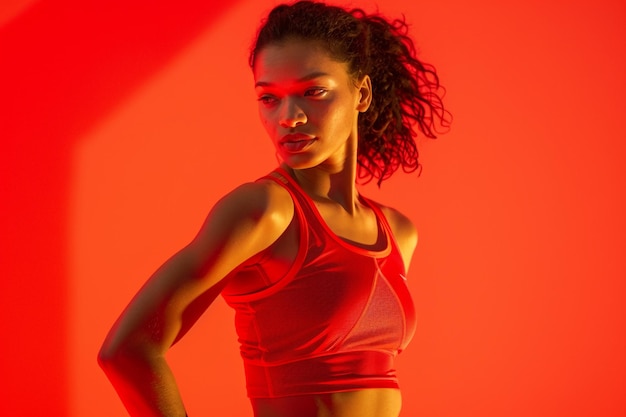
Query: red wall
122	123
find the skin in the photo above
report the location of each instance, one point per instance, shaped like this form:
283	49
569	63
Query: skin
301	90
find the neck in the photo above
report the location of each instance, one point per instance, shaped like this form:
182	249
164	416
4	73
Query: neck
331	182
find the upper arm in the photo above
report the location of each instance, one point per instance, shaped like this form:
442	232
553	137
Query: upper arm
243	223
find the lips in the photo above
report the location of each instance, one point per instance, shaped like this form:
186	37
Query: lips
296	142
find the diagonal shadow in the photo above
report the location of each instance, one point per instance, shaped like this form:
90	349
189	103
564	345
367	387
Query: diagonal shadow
64	65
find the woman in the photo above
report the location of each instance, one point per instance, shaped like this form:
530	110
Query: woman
314	270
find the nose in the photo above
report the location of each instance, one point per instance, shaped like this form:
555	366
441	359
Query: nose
292	114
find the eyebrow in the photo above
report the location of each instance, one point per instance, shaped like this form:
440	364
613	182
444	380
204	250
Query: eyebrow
307	77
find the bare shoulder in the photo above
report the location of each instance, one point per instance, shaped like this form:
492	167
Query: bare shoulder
260	200
242	223
260	211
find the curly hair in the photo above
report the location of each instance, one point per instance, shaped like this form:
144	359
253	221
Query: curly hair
406	91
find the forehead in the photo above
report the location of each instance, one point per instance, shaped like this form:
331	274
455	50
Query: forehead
294	60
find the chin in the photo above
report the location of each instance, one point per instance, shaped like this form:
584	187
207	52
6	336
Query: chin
299	161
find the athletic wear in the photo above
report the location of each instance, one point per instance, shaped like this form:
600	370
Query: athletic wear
332	320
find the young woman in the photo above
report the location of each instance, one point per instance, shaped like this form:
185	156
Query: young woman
314	270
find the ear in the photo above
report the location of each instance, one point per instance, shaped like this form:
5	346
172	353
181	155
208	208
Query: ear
365	94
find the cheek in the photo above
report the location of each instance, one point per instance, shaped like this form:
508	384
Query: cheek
340	117
265	118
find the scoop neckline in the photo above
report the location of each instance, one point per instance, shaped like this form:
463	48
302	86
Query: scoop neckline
348	244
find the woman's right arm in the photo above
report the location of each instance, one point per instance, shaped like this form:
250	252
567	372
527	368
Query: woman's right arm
243	223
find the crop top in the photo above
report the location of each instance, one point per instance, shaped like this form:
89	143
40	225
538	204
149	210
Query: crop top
333	320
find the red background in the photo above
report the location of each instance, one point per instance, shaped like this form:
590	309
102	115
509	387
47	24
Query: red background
122	122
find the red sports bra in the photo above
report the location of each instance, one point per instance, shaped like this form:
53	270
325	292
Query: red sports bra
335	318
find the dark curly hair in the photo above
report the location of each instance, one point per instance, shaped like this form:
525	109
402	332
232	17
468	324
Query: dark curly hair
406	92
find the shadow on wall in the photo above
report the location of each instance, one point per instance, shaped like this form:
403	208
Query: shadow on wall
66	65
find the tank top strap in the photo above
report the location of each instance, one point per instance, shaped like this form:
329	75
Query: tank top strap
311	220
280	177
380	216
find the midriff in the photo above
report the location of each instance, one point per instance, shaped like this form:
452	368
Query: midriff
373	402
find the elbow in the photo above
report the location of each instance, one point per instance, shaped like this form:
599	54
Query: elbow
108	357
112	356
115	358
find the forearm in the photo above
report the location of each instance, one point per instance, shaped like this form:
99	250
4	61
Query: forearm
146	385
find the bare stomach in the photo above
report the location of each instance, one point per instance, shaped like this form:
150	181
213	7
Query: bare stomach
379	402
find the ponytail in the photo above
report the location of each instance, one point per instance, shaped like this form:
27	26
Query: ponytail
406	96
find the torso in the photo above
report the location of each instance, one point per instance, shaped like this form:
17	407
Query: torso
361	230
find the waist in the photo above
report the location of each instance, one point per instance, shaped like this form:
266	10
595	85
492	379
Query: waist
330	373
377	402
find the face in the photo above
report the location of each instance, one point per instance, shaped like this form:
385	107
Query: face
309	104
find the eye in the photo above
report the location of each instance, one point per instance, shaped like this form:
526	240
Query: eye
315	92
267	99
